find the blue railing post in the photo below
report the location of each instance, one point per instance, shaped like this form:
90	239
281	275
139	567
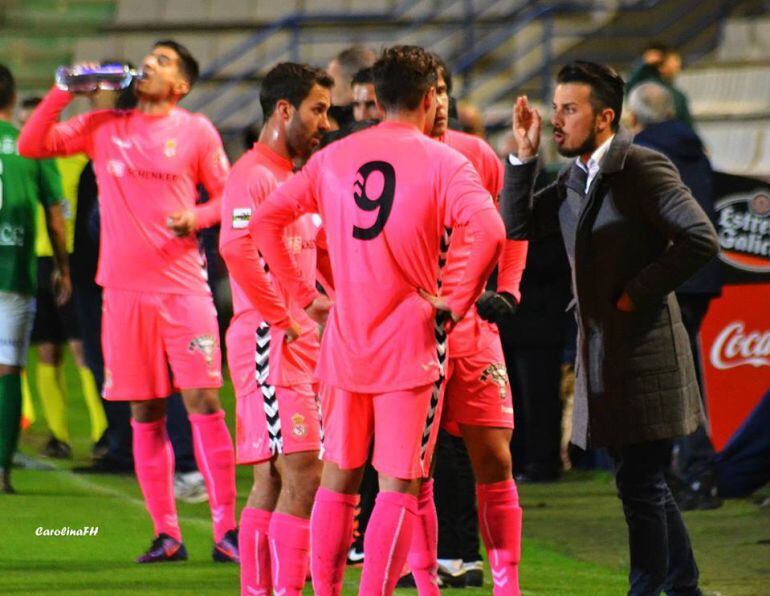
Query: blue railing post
295	40
470	40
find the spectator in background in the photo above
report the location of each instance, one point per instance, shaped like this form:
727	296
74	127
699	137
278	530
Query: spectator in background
652	110
365	106
343	68
661	64
56	325
471	119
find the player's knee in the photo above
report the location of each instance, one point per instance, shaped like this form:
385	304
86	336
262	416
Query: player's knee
148	410
201	401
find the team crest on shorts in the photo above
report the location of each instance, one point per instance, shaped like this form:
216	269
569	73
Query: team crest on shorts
498	375
298	429
204	344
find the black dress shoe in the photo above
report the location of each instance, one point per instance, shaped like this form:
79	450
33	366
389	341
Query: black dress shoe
57	449
105	466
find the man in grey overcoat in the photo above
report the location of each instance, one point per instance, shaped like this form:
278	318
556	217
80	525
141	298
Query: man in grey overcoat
633	233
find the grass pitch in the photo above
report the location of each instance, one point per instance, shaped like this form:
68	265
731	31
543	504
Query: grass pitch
574	534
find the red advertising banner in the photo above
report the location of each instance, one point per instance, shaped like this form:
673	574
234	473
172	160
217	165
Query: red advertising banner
735	339
735	335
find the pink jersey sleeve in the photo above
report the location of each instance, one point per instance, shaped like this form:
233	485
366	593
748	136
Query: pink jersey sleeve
511	267
43	136
284	205
213	168
238	249
471	206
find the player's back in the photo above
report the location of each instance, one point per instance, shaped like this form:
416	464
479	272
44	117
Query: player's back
384	197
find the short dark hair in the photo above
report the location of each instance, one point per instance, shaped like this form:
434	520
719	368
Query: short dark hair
444	71
354	58
187	64
365	76
7	87
30	102
292	82
607	86
403	75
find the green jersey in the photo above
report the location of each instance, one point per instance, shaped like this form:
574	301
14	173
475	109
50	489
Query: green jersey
23	184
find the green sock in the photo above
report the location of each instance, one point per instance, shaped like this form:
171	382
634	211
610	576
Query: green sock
10	417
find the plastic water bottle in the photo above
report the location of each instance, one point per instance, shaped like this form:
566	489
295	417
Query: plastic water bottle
107	77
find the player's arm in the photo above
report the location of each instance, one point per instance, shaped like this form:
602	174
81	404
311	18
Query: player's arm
57	234
240	254
43	136
50	193
496	306
324	263
284	205
213	168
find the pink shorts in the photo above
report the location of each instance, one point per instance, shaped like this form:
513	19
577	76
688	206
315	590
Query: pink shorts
276	420
145	333
477	391
400	422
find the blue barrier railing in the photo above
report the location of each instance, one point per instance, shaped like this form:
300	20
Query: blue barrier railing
480	40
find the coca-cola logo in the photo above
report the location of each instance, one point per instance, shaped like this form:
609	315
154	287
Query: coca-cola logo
744	231
735	347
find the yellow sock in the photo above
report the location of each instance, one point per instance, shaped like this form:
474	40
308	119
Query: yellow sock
28	415
54	402
93	403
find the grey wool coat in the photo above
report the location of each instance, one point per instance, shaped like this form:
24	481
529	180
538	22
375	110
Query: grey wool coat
638	230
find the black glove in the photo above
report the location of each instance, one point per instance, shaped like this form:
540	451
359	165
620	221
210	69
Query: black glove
495	307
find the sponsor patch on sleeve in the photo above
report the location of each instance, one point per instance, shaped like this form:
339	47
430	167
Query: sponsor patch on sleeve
241	217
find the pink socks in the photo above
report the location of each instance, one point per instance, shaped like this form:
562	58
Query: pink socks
500	524
256	579
422	550
215	457
331	533
154	465
386	542
289	537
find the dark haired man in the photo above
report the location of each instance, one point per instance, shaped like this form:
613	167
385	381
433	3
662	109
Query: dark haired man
158	310
342	68
387	196
278	427
478	402
23	183
365	106
661	64
633	233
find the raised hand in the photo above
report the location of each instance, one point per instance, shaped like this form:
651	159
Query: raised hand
527	123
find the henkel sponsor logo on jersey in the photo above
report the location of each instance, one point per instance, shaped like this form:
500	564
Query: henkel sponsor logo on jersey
738	346
743	223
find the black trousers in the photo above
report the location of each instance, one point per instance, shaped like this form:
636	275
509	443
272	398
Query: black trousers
696	457
88	306
661	555
535	375
454	490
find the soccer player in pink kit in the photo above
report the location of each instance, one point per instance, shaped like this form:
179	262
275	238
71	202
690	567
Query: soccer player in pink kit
158	310
386	196
272	344
477	402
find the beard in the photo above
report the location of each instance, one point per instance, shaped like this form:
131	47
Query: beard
587	146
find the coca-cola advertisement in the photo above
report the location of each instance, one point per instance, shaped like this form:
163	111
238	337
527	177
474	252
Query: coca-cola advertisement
735	336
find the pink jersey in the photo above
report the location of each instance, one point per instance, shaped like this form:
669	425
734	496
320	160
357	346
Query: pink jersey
257	297
147	167
386	196
473	333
